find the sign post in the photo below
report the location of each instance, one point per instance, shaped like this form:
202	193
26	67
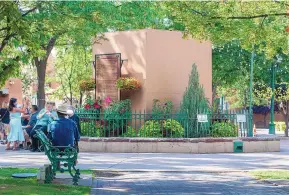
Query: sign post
202	118
241	118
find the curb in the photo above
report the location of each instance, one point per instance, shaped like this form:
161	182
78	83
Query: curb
165	171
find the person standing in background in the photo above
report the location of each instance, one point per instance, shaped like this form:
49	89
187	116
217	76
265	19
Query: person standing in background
73	117
24	120
4	122
16	134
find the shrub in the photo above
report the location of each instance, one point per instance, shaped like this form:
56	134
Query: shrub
117	110
150	129
224	129
91	129
99	130
130	132
167	128
127	83
173	128
161	110
280	126
194	102
116	117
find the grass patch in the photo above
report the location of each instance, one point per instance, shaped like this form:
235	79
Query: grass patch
11	186
278	174
85	171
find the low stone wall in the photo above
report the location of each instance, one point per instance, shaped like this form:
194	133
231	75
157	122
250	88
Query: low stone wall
177	145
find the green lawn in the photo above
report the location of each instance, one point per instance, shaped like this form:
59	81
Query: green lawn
278	174
11	186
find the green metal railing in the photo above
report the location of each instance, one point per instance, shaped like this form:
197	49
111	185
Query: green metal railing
175	125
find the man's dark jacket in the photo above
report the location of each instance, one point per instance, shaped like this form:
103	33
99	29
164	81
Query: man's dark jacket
64	132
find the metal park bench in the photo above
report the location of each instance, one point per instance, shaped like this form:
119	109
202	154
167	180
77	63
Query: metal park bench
62	158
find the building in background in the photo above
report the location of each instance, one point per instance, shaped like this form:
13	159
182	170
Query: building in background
11	89
161	60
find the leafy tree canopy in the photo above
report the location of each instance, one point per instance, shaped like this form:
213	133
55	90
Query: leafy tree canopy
252	22
71	68
28	28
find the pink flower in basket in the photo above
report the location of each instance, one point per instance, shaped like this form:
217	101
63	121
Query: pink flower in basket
96	105
108	100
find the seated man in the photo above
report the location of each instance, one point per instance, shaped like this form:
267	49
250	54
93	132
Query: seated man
25	117
32	120
44	118
63	131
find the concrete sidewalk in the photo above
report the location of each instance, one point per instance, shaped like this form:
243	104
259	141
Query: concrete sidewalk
160	162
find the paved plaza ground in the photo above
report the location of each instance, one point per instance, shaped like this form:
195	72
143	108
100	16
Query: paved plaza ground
160	162
183	183
170	173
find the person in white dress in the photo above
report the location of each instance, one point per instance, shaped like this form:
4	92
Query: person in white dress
16	134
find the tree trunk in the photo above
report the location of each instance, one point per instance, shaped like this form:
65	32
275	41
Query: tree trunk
41	73
70	99
41	70
245	99
286	123
70	93
214	95
80	99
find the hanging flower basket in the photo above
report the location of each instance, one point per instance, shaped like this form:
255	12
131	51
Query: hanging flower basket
128	83
87	85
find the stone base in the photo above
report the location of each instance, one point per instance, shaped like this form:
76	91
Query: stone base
177	145
42	172
65	178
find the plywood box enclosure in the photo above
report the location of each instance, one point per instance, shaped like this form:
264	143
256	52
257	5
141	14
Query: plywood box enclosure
161	60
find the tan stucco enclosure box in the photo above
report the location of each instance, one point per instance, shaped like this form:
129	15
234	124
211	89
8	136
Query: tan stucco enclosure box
161	60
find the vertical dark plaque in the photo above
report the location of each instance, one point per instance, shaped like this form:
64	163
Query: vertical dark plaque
107	73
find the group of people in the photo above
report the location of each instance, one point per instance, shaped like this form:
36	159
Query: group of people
19	124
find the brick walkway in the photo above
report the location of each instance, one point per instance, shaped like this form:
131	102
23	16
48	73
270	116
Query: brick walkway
181	183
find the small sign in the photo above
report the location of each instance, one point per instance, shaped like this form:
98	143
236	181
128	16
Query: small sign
202	118
241	118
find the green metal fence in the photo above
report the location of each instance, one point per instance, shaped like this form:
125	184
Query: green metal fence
175	125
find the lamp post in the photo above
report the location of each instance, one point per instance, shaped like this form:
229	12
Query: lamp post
273	78
250	130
